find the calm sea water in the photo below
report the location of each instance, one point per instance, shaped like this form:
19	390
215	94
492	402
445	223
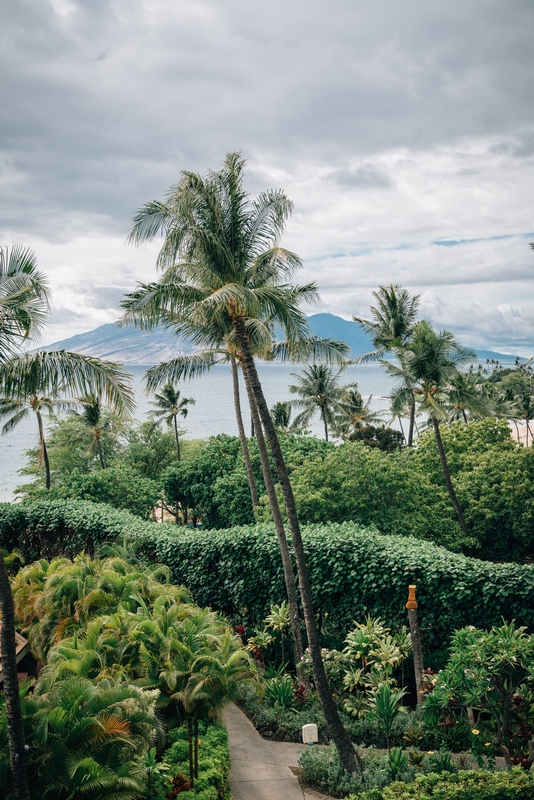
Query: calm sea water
212	413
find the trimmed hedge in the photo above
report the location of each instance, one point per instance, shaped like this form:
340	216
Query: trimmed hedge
354	571
515	785
47	528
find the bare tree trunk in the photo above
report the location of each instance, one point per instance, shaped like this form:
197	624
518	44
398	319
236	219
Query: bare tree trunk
417	650
349	758
100	454
15	732
44	451
289	577
447	476
177	438
412	423
242	437
325	426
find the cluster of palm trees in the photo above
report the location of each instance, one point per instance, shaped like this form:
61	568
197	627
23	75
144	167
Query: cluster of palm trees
341	407
126	653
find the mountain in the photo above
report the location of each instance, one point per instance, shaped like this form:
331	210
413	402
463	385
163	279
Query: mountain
131	346
126	345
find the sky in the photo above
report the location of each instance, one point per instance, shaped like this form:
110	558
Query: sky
403	133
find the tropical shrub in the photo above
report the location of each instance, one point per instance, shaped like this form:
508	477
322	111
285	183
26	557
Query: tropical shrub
467	785
119	487
213	764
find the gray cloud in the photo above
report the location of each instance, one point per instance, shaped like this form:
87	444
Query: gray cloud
392	126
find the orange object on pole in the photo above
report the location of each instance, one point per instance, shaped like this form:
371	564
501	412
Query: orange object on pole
412	602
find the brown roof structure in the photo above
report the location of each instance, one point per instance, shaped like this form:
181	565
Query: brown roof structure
22	648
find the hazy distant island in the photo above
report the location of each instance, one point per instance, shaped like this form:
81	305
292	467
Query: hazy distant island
132	346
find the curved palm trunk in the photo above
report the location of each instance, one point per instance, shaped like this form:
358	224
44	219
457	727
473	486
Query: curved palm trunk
412	423
177	438
100	453
464	415
242	437
287	564
15	731
349	758
44	451
447	476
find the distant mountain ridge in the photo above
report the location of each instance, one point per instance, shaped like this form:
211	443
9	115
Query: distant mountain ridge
131	346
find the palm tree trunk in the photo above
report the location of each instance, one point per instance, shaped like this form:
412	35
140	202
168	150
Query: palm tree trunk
325	425
349	758
242	437
44	451
517	430
15	731
287	564
529	431
412	423
447	476
464	415
401	427
100	453
177	437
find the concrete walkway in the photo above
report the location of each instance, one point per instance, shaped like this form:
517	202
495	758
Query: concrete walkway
261	769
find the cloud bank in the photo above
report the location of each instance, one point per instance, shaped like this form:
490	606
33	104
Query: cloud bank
404	133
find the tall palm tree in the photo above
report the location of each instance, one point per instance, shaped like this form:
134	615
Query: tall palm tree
431	361
18	758
319	390
24	303
168	407
221	260
24	298
392	323
43	381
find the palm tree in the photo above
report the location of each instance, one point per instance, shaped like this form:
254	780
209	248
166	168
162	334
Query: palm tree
222	261
431	363
169	406
319	390
281	414
278	620
43	381
24	304
352	413
24	298
93	418
17	751
464	394
392	325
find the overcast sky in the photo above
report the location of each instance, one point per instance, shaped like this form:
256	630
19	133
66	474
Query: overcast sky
402	131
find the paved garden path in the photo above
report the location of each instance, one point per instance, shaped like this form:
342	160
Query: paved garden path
260	769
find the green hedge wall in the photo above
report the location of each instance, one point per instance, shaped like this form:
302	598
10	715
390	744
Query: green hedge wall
354	571
46	528
515	785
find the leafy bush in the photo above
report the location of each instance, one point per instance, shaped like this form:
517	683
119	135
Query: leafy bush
213	764
481	785
116	486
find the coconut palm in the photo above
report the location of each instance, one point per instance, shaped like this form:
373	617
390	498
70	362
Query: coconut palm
222	261
168	407
17	751
319	390
352	413
431	363
24	298
281	414
23	306
392	325
98	424
464	395
42	382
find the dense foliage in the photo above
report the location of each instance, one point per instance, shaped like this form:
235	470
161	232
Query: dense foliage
482	785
